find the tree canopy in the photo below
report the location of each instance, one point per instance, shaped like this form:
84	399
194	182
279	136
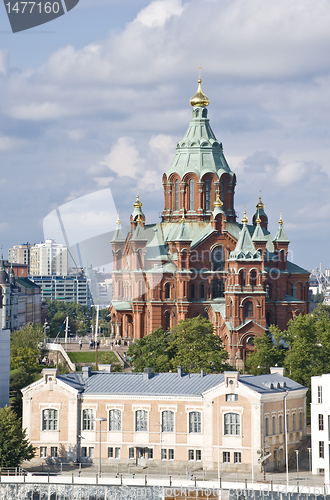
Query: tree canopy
79	317
269	351
14	445
191	344
24	346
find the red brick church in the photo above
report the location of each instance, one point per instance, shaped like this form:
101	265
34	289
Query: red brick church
200	260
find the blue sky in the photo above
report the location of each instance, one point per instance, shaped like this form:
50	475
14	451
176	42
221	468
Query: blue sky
99	97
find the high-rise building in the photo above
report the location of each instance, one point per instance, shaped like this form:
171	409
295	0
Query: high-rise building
20	254
48	259
73	288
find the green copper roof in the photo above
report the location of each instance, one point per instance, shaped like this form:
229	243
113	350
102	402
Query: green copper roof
139	234
245	249
199	151
258	234
182	233
118	237
281	235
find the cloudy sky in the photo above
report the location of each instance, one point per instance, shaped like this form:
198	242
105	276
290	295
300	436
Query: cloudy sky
98	98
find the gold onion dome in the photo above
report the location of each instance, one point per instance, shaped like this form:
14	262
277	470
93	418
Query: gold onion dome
245	220
199	99
260	205
218	202
118	221
137	203
258	220
280	220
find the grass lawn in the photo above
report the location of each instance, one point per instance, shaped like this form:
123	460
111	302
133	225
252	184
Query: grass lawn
89	357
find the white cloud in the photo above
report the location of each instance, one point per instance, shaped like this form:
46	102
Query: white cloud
158	12
124	158
38	112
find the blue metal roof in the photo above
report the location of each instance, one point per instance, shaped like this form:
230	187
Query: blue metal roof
169	384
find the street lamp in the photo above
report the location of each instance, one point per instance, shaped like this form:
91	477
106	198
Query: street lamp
100	419
297	457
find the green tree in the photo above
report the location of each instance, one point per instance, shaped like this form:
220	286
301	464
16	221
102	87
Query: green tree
79	317
318	298
191	344
19	379
309	340
14	445
25	347
107	358
267	352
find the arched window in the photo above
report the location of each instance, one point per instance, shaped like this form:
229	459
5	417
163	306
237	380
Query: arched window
88	420
208	195
222	190
49	420
168	421
167	321
253	278
232	424
167	291
218	259
268	319
268	292
195	422
218	288
202	292
177	195
192	291
248	309
242	277
141	421
191	194
114	420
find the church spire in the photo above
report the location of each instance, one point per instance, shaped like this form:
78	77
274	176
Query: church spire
260	214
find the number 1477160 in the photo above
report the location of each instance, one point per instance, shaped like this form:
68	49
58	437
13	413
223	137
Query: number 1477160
29	7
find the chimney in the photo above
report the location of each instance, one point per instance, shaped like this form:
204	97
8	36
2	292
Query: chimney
87	370
202	373
105	368
147	373
277	369
180	373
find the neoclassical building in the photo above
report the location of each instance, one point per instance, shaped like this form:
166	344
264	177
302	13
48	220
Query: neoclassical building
199	260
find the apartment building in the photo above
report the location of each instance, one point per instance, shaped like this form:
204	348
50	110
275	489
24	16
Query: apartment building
48	259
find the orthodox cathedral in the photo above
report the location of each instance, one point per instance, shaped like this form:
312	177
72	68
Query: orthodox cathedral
200	260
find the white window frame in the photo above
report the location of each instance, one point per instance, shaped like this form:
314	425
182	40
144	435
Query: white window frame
167	421
50	421
141	425
115	420
88	418
230	426
195	422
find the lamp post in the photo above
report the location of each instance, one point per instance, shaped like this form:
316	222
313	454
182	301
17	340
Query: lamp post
309	459
100	419
297	458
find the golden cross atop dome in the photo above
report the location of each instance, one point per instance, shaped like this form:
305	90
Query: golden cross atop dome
245	220
118	221
137	202
199	99
200	71
280	220
260	205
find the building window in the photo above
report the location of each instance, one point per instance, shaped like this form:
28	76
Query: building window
287	422
202	292
150	454
49	420
280	424
218	289
231	397
192	291
131	453
114	420
84	452
191	454
163	454
208	195
177	194
117	452
88	420
226	457
293	421
253	278
171	454
91	452
191	194
167	421
273	425
198	455
319	394
237	457
232	424
141	421
241	277
321	422
321	449
53	451
300	421
195	422
43	452
167	291
218	259
266	426
248	309
110	452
